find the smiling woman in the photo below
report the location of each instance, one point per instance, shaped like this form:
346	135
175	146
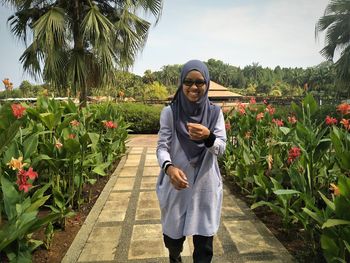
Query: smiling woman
189	188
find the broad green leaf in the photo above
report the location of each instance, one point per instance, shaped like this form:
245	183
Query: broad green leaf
100	169
48	119
10	197
313	215
30	146
310	102
335	222
344	186
285	130
329	203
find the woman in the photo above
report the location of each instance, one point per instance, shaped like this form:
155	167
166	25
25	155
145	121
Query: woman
189	188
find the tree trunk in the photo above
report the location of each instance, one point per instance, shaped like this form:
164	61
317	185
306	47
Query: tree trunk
79	48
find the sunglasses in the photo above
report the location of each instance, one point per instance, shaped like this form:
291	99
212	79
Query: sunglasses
198	82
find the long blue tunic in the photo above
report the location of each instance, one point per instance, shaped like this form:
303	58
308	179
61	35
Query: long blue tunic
195	210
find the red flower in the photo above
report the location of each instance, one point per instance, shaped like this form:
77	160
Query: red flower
346	123
252	100
278	122
22	179
260	116
270	109
330	121
241	108
31	174
265	102
71	136
344	108
227	126
292	119
293	153
109	124
18	110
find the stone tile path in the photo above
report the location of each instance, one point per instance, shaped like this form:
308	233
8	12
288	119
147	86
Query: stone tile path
124	224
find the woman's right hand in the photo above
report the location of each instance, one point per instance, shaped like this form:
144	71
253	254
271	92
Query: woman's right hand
177	178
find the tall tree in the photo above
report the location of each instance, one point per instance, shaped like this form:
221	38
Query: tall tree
81	42
336	22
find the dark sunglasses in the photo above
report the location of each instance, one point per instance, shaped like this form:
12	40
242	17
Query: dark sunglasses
198	82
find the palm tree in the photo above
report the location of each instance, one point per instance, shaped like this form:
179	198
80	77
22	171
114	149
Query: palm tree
81	42
336	21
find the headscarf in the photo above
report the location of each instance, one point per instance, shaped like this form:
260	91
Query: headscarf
201	111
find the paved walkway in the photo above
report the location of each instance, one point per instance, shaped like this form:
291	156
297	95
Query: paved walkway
124	224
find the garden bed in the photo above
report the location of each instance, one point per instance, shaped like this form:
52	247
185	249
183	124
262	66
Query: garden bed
293	240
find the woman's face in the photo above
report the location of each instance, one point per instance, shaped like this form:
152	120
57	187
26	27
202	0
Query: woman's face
194	86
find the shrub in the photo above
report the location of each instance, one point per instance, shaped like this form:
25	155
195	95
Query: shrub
142	118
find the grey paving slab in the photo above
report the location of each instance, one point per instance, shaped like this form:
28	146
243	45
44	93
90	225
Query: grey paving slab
124	225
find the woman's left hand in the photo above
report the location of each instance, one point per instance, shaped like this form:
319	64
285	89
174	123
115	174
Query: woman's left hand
197	131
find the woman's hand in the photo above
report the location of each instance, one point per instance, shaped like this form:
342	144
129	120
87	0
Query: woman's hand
177	178
197	131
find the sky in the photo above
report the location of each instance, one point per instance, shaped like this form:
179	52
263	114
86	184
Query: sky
237	32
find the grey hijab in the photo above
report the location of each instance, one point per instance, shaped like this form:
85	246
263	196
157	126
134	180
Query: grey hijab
201	111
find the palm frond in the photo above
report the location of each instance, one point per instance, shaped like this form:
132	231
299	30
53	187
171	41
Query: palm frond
50	28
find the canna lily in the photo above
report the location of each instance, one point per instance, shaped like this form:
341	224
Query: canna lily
252	100
269	161
74	123
330	120
270	109
248	134
278	122
335	189
58	144
344	108
346	123
260	116
16	164
18	110
292	119
293	154
109	124
241	108
22	179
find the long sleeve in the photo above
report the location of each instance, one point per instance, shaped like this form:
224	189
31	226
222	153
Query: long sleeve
164	136
219	145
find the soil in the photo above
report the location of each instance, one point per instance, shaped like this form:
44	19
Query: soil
62	239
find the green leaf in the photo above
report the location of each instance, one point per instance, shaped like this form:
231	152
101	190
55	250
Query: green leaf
72	146
30	146
344	186
310	103
314	216
10	197
286	192
285	130
335	222
329	203
39	158
99	169
48	119
9	134
38	203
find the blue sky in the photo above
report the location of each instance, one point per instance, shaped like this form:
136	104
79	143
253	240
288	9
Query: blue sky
238	32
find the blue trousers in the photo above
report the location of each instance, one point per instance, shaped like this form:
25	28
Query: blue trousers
203	248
